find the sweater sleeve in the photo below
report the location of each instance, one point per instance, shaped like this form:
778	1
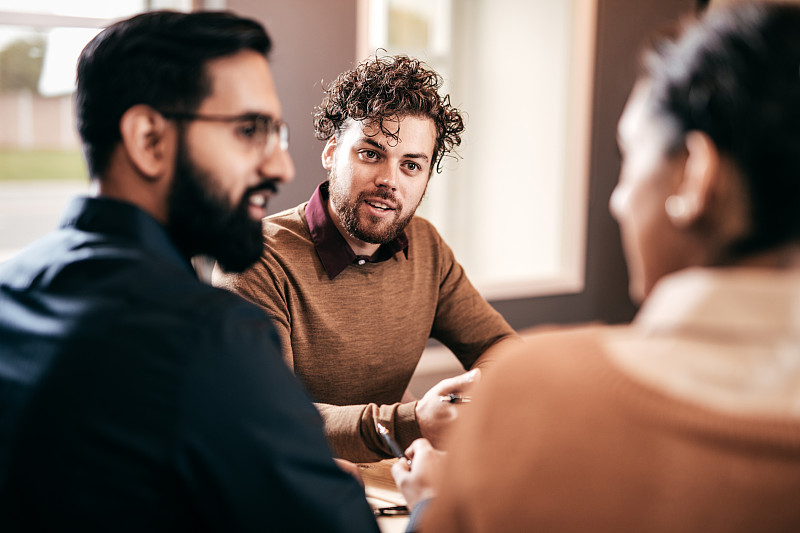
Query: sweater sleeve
352	431
465	322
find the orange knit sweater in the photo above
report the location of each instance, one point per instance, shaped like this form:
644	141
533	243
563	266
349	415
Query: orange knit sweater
560	440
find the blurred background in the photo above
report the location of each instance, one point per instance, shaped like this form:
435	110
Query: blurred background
542	83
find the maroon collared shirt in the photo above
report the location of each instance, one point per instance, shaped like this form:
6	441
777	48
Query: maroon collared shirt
332	249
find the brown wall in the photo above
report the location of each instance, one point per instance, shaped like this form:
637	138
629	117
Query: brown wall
315	39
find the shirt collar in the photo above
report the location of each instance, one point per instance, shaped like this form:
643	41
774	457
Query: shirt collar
123	220
332	248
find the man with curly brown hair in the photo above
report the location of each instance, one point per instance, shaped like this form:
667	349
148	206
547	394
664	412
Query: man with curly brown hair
355	283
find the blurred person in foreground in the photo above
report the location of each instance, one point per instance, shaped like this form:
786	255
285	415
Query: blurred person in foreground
356	283
134	397
688	419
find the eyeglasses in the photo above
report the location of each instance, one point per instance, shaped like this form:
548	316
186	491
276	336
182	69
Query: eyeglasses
255	128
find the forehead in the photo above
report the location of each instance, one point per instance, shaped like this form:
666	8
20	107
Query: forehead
416	134
241	83
635	117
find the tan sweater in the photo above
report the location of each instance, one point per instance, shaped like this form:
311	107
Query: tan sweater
559	439
355	341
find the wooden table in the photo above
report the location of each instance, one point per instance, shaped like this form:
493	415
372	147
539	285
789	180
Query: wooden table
382	492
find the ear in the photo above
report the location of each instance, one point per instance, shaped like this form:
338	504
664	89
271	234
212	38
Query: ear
699	178
147	139
328	153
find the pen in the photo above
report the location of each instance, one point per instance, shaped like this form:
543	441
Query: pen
455	398
392	443
397	510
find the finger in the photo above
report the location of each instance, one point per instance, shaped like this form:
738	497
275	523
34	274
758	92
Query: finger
420	445
410	452
460	382
400	469
414	446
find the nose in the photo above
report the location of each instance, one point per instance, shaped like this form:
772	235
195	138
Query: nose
617	201
278	166
387	177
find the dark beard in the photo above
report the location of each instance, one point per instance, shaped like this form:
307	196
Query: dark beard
201	222
349	215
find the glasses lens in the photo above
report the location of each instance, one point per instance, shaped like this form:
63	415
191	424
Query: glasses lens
283	132
264	126
278	135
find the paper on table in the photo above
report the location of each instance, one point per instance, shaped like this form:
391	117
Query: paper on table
379	484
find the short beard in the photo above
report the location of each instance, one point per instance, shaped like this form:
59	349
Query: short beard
369	230
201	222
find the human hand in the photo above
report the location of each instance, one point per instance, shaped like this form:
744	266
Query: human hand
434	416
416	480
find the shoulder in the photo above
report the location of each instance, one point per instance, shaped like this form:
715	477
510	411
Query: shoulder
422	227
225	335
291	220
423	235
218	316
287	243
287	234
555	357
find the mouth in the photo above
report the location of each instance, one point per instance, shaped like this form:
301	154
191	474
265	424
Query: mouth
258	198
380	205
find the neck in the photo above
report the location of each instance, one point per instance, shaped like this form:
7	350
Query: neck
121	181
783	257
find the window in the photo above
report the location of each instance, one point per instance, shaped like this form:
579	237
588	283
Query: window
514	208
40	162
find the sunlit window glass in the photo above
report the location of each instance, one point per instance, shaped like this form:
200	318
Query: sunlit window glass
513	208
41	165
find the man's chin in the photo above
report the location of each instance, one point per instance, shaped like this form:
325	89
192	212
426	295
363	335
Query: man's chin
234	255
373	238
376	233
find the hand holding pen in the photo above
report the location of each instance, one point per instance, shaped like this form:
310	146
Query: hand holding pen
415	477
455	398
442	405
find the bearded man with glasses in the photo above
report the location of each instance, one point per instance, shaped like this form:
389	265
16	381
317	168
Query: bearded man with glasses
134	397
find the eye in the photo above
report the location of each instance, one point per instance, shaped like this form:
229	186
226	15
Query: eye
413	166
248	129
254	129
369	154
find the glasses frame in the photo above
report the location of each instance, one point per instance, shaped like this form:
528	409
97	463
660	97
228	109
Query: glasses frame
277	130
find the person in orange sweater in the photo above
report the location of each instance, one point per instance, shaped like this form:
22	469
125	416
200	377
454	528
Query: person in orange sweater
688	419
355	283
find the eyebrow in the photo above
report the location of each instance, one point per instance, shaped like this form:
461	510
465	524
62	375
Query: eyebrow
376	144
252	115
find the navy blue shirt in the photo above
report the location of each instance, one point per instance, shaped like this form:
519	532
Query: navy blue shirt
134	397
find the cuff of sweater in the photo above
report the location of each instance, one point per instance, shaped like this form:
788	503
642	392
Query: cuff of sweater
415	520
406	427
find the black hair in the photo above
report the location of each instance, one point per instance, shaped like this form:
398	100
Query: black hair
156	58
734	74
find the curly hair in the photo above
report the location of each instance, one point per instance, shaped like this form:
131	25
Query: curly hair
382	90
